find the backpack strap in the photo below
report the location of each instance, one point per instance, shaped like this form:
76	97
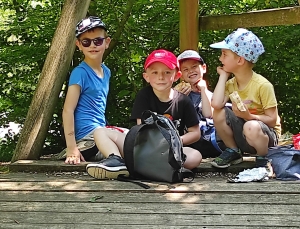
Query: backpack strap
213	140
187	174
121	177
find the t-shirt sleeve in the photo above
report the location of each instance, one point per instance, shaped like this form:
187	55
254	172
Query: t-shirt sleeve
268	98
77	76
229	87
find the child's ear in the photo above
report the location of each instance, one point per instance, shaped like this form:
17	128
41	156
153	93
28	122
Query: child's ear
78	44
241	60
178	75
107	42
204	68
146	77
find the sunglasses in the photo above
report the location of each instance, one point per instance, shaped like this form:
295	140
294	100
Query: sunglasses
98	41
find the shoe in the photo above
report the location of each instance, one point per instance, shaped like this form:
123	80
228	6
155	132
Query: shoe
227	158
108	168
266	163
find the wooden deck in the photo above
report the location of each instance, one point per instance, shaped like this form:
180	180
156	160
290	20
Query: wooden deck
75	200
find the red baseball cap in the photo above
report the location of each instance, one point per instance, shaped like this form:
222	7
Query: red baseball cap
162	56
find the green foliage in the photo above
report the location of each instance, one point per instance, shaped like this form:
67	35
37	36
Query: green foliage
27	28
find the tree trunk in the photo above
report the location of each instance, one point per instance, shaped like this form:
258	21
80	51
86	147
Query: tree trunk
188	24
55	69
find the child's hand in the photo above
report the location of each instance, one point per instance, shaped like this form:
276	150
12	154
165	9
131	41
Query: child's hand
183	87
200	85
241	114
222	73
74	156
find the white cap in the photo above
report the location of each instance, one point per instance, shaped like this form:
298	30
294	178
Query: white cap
190	54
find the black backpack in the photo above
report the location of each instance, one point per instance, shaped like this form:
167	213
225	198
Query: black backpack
153	150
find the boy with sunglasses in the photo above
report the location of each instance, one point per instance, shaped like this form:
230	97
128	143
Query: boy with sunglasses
85	103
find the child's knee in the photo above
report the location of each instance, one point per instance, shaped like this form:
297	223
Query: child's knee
252	128
193	158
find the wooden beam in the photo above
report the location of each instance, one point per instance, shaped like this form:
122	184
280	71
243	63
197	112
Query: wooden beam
272	17
188	24
53	75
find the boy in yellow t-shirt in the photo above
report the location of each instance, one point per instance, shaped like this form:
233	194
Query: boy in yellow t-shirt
258	127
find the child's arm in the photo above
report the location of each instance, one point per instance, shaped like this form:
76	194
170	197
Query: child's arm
269	117
219	99
73	154
207	109
192	135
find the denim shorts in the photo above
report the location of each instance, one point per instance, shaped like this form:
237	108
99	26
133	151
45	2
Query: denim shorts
237	124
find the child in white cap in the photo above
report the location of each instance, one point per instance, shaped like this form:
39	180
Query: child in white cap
193	69
258	126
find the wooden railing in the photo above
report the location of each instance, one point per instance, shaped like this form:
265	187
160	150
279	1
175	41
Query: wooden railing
272	17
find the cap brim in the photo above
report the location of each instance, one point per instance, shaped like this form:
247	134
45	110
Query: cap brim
191	58
83	31
220	45
167	63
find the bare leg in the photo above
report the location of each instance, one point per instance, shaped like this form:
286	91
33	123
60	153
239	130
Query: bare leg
109	141
256	138
224	131
193	158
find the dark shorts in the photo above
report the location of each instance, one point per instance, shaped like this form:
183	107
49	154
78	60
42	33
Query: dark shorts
207	149
237	124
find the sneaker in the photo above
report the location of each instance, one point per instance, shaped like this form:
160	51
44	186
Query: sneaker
108	168
227	158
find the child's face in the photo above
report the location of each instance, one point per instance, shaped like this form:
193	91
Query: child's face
229	60
192	70
161	77
89	38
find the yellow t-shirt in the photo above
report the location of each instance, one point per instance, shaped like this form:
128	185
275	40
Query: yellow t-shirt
258	96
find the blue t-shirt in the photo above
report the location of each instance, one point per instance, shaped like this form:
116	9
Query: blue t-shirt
90	110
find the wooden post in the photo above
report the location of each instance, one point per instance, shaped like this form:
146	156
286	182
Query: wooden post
188	24
54	71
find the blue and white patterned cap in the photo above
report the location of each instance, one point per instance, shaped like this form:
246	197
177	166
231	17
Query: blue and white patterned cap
89	23
244	43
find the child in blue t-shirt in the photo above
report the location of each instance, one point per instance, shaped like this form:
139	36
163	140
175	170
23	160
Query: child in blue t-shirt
85	103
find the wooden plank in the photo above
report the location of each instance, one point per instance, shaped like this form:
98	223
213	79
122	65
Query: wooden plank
137	197
197	186
55	166
15	225
272	17
118	207
45	166
179	220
